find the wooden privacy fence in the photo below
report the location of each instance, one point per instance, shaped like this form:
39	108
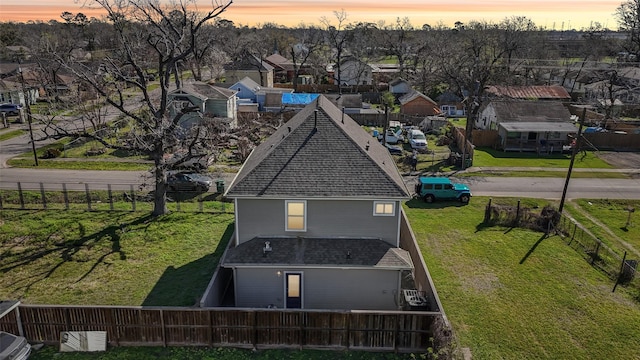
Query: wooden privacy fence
244	328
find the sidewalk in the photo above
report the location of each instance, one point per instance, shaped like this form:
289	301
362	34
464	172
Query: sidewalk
498	169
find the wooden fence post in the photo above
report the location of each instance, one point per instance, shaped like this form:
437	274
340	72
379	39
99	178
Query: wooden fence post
88	196
21	196
43	196
624	258
595	253
487	212
133	198
110	197
65	195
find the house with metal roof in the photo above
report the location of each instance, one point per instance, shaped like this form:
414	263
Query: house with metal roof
541	126
530	92
318	208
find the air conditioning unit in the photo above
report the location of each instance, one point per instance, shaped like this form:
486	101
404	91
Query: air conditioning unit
72	341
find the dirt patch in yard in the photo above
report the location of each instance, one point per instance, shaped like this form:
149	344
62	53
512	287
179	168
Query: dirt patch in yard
621	160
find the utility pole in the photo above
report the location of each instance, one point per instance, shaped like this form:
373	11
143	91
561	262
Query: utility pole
27	101
573	157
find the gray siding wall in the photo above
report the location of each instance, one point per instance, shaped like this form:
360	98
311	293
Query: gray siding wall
354	289
325	218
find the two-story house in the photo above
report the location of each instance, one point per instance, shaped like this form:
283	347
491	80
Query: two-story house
318	210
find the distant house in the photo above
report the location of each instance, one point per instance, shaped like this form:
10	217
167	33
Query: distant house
624	91
318	209
250	66
417	103
353	72
399	87
213	102
11	93
264	98
451	105
541	126
283	68
541	92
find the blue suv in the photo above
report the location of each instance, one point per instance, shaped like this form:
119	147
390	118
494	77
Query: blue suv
432	188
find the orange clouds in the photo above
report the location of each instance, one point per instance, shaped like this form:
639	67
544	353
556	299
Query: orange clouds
546	13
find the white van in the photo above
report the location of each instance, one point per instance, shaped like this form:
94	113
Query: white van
416	139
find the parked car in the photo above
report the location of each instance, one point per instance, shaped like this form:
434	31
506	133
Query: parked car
393	136
13	347
432	188
417	139
182	181
10	109
394	149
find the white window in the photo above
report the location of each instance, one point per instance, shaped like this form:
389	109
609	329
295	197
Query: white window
296	219
384	208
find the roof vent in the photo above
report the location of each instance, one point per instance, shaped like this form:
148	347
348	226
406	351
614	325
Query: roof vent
343	114
348	254
289	128
367	146
267	247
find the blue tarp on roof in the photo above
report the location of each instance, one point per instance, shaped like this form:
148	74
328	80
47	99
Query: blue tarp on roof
298	99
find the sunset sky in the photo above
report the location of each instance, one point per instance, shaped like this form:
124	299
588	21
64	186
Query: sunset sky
550	14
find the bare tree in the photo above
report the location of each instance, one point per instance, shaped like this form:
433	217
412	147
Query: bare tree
472	63
337	36
308	42
397	42
150	36
628	14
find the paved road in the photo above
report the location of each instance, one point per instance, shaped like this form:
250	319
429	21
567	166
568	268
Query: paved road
546	188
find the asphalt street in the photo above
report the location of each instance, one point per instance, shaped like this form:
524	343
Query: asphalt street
547	188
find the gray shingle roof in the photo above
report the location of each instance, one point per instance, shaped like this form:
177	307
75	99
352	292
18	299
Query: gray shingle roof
208	91
317	154
319	252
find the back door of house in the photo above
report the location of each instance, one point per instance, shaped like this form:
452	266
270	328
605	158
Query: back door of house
293	290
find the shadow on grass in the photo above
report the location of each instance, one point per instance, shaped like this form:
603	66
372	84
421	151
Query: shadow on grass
185	285
420	204
533	248
68	249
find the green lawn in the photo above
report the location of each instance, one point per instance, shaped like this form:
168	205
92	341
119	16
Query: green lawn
182	353
116	258
489	157
11	134
508	293
616	218
513	294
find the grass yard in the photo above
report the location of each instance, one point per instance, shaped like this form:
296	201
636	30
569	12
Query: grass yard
182	353
611	221
488	157
513	294
10	134
546	174
115	258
